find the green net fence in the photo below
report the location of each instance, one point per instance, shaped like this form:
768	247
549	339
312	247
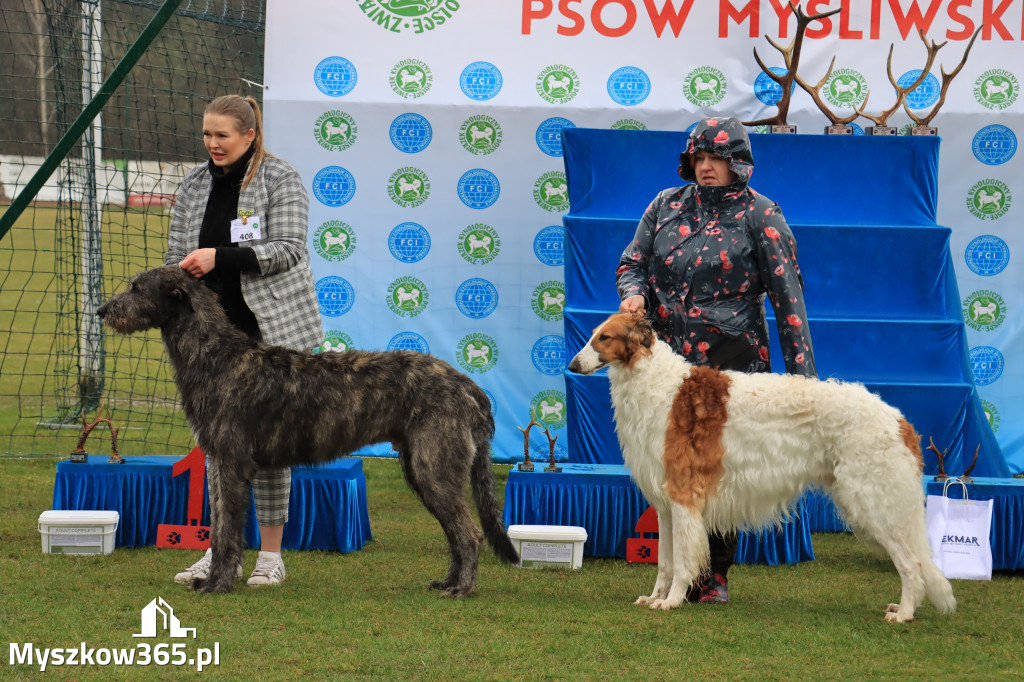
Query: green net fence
103	214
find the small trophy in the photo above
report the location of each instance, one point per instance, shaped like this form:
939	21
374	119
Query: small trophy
941	476
80	456
551	467
526	464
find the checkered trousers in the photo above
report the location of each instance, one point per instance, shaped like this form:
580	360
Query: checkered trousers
271	489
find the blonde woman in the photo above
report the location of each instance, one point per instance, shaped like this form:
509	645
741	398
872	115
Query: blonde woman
240	225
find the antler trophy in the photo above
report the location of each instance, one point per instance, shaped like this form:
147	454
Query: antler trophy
80	456
551	467
922	127
880	127
941	476
791	55
526	464
838	125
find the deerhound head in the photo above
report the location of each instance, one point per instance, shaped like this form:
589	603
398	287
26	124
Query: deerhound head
153	299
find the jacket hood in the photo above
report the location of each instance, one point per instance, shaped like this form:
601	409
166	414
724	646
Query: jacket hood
726	137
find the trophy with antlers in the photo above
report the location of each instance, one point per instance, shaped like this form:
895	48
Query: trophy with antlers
880	127
526	464
80	456
551	467
791	57
922	126
942	476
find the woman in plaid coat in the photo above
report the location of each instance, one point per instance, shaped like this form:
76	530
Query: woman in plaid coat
704	257
240	224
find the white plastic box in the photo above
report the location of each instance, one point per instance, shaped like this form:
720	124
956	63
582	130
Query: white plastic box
78	532
549	546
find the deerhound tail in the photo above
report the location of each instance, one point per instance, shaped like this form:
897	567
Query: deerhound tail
482	483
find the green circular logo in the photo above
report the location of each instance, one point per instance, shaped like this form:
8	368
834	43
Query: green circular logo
551	191
408	187
479	244
984	310
549	408
411	78
996	89
414	16
558	84
477	353
989	199
334	341
408	296
335	131
846	88
480	134
704	86
629	124
548	300
334	241
991	414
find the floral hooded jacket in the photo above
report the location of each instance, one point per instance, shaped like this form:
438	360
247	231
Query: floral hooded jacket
704	257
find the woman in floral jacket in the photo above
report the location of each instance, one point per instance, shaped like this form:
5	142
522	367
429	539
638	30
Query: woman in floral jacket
703	259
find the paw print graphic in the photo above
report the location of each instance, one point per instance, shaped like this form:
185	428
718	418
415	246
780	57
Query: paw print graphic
203	534
173	538
644	552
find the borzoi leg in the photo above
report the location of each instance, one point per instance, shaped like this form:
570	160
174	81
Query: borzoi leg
664	581
888	520
229	500
690	554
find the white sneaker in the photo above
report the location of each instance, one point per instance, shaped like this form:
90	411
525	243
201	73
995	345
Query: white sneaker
269	570
201	570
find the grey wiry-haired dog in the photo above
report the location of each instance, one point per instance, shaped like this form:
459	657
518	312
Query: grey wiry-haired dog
250	404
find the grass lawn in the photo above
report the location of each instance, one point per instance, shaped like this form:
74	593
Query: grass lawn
368	614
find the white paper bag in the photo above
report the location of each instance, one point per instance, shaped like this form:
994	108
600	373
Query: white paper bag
959	531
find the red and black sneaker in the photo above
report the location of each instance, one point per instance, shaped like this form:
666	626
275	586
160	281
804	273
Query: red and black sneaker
715	590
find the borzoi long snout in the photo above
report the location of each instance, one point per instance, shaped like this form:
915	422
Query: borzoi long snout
587	361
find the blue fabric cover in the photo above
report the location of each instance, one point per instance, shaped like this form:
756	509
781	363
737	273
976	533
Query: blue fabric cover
327	509
881	292
604	500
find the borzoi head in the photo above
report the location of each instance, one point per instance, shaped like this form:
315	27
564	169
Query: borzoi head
622	338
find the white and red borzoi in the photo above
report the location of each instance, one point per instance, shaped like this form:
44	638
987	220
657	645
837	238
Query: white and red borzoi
715	450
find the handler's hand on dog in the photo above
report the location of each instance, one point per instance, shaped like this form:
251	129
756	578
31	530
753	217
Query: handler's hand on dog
199	262
633	304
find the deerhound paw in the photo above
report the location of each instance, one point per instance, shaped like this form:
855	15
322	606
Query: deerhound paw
210	586
452	589
643	600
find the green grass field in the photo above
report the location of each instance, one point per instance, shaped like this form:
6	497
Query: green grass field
38	333
368	614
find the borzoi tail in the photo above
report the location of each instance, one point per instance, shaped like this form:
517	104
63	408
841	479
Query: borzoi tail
938	589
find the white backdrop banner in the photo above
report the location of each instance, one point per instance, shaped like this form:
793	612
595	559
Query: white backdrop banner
428	132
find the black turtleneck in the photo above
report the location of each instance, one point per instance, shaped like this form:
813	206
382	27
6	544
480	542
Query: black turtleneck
232	260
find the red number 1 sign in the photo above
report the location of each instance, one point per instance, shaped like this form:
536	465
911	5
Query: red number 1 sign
191	535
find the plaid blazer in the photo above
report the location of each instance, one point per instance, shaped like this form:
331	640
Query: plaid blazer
282	296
